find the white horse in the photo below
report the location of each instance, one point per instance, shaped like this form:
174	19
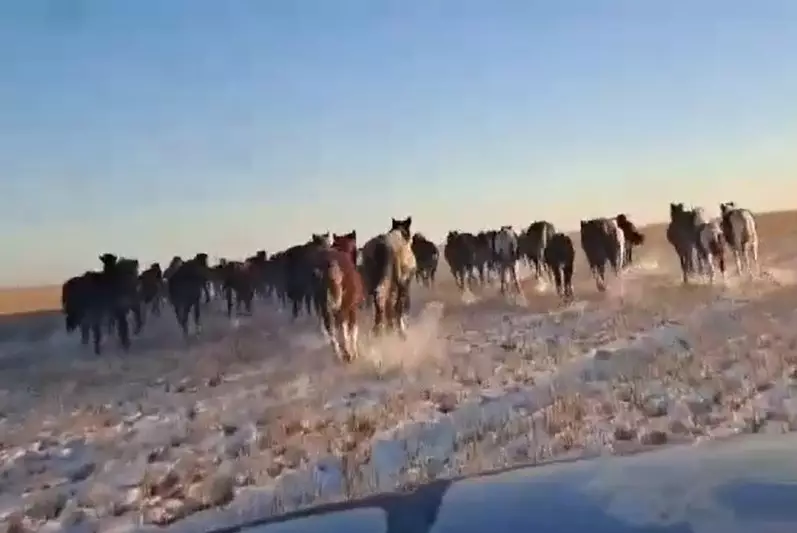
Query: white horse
710	247
506	253
739	228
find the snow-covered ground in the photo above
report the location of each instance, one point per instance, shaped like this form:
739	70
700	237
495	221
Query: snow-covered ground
256	418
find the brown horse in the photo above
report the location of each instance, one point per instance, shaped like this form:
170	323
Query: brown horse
342	295
346	243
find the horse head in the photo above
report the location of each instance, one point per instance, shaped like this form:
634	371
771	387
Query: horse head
403	226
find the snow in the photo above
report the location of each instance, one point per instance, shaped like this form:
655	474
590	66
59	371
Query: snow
262	414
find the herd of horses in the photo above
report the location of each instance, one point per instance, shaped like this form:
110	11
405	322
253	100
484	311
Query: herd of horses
333	278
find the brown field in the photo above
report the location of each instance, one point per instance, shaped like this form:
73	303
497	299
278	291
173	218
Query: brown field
19	300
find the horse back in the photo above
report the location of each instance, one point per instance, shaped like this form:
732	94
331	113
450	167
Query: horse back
404	261
344	274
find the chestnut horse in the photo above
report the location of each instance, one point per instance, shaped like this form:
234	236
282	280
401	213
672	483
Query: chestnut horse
341	296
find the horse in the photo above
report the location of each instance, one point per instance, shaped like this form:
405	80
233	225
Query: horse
185	287
533	243
603	242
120	295
151	282
427	256
710	247
741	234
301	275
506	253
633	237
682	235
82	306
460	254
559	256
388	267
347	242
342	295
239	283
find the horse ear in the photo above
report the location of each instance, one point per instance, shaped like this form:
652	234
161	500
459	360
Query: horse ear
354	234
409	221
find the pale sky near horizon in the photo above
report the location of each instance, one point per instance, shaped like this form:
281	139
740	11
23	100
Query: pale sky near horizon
158	128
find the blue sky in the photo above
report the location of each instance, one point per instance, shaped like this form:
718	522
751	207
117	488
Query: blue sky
151	128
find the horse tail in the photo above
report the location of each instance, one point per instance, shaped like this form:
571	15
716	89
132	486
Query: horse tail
406	262
544	237
334	283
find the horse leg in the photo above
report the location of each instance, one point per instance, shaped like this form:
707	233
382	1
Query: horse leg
181	310
296	306
682	261
405	298
96	333
516	278
351	318
748	259
617	261
138	317
738	260
602	276
567	279
228	299
557	278
380	308
709	261
343	326
85	329
197	314
250	296
122	328
401	309
330	331
754	253
308	303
